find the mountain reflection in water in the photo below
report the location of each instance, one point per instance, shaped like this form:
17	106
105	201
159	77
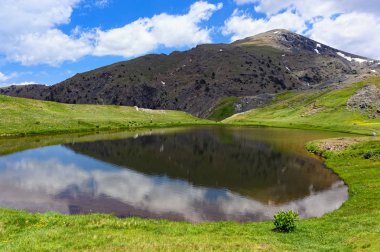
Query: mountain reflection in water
197	175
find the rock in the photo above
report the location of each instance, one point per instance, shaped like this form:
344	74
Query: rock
250	102
366	99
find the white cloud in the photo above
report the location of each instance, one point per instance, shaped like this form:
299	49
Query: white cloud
354	32
241	2
6	77
147	34
312	8
17	83
102	3
306	8
239	25
353	29
51	47
3	77
32	36
22	16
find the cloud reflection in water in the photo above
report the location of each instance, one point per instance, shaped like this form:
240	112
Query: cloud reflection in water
40	180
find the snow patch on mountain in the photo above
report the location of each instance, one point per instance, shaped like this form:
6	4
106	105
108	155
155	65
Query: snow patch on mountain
360	60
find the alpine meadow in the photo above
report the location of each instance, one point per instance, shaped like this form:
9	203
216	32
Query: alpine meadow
195	125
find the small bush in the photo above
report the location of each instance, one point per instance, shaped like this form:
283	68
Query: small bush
285	221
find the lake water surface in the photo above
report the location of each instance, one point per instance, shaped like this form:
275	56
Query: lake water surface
192	174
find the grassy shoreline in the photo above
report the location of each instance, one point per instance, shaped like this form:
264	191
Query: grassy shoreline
355	226
23	117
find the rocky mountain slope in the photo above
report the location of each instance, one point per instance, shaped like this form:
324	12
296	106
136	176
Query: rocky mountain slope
251	71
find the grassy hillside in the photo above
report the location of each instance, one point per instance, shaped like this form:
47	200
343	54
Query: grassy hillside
355	226
225	108
23	116
326	109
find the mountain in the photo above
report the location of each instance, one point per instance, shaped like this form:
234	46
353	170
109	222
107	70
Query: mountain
211	80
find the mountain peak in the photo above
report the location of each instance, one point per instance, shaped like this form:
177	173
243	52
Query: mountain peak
293	43
264	37
281	39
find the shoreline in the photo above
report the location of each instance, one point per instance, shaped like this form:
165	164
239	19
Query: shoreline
244	236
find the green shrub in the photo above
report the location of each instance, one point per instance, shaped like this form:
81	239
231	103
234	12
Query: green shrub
285	221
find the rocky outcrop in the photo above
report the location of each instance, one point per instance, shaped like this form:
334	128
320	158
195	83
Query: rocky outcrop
367	100
250	102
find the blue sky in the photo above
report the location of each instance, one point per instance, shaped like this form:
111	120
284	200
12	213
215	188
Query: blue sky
47	41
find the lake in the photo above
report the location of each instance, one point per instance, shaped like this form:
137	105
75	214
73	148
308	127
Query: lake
192	174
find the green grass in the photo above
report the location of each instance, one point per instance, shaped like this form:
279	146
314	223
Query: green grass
355	226
225	108
324	110
26	117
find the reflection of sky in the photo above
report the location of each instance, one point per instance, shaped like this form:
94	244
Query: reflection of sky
65	156
33	180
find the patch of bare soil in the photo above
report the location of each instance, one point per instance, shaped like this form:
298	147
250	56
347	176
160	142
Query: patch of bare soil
340	144
312	110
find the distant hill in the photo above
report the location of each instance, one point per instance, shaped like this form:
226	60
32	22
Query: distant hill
212	80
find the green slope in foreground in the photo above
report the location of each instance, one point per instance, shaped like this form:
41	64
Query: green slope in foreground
24	116
355	226
326	109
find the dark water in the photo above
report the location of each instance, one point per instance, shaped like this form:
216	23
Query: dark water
207	174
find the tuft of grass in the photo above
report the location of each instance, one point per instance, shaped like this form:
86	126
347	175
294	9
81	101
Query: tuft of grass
321	110
28	117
